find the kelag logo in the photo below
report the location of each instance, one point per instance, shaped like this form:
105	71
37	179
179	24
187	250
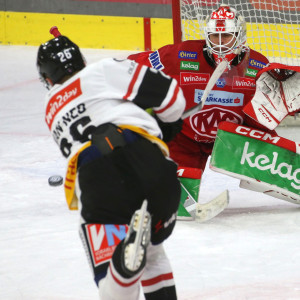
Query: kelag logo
189	65
221	82
251	72
187	54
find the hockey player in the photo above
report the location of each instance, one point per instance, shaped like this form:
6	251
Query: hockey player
117	163
192	63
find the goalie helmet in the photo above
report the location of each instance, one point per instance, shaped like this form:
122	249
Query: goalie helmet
57	58
225	33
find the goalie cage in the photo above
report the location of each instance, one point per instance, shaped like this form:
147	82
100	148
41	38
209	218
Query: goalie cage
272	28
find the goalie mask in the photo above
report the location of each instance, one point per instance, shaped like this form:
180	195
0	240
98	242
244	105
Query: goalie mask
58	58
225	34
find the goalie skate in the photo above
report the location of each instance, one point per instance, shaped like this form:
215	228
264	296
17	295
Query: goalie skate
137	240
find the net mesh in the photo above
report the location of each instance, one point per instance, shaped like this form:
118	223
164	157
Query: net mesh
272	25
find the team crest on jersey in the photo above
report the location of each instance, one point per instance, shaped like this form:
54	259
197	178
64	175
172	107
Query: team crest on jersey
103	239
187	54
193	78
221	82
243	83
205	123
220	98
61	99
256	63
154	59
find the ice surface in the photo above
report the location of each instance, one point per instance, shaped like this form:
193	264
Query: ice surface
250	251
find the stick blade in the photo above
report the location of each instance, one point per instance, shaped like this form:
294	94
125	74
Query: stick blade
209	210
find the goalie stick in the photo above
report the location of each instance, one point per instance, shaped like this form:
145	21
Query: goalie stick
206	211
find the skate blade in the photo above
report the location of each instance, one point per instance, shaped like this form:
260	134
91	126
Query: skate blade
140	225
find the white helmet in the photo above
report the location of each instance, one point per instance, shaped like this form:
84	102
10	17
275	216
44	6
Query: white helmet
225	20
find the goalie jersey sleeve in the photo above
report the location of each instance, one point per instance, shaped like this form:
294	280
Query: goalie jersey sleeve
110	91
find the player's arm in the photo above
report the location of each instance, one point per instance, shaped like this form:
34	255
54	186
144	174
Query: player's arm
156	60
277	95
141	58
145	87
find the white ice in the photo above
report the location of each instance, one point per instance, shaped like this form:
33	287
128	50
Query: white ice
250	251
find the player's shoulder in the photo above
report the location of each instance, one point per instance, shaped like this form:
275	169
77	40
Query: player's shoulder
191	45
102	64
257	57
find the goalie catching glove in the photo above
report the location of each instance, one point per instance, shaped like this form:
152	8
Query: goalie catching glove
277	95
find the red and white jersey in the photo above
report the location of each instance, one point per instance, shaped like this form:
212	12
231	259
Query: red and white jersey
110	91
234	89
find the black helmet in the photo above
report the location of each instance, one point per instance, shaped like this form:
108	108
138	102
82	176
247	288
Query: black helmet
57	58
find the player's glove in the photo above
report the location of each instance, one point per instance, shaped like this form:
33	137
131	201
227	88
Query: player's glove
277	95
169	130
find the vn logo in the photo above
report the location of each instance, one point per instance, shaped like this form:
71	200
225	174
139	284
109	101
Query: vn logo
103	240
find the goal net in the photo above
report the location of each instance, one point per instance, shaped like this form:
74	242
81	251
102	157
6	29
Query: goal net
273	26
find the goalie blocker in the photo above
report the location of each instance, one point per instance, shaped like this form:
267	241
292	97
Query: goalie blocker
263	162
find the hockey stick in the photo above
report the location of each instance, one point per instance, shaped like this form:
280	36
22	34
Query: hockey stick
209	210
204	212
212	81
190	204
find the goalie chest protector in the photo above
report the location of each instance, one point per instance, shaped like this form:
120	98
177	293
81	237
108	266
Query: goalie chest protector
269	162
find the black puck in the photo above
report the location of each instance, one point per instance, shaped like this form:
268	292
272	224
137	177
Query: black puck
55	180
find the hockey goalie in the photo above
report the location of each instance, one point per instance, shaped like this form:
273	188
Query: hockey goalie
263	161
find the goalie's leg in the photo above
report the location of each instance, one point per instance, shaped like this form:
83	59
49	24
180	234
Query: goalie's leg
190	179
191	157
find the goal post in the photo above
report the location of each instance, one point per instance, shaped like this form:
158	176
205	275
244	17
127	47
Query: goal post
273	26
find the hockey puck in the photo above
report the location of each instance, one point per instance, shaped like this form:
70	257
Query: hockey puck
55	180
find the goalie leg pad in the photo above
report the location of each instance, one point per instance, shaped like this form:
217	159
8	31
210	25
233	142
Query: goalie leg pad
272	162
190	179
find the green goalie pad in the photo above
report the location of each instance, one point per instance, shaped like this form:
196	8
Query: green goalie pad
190	179
263	162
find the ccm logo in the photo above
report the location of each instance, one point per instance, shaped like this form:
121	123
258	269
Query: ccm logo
264	115
257	134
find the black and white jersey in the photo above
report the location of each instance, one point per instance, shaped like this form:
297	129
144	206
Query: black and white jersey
110	91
